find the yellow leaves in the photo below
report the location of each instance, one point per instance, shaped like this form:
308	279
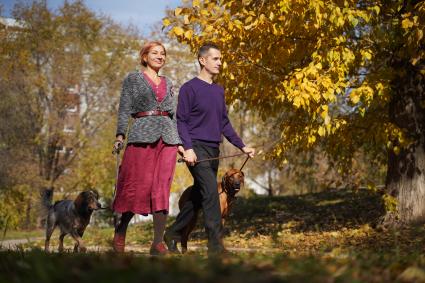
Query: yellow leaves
186	20
188	34
354	97
413	61
297	101
353	20
376	9
321	131
275	30
340	21
195	4
205	13
390	202
324	113
209	28
166	22
178	11
301	69
366	54
380	88
238	23
406	23
420	35
177	30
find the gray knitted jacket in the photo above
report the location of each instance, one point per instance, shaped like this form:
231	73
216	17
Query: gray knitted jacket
138	96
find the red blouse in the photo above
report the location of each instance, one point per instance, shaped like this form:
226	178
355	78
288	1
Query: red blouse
160	90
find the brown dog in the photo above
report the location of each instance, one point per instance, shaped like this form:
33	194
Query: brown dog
72	217
231	183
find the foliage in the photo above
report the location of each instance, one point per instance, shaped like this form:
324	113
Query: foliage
72	51
60	79
302	171
330	78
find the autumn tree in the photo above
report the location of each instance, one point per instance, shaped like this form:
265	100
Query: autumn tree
62	72
348	75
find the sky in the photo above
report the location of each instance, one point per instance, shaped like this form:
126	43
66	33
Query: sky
141	13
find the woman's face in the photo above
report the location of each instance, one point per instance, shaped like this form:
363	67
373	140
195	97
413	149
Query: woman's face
155	57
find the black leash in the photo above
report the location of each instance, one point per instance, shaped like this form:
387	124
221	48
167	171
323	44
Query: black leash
181	160
246	160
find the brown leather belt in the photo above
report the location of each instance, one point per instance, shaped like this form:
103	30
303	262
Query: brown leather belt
150	113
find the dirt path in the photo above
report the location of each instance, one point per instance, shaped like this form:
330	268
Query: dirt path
13	244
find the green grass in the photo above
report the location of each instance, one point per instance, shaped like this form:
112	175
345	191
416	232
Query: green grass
322	237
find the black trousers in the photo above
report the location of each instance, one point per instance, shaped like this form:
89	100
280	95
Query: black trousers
204	196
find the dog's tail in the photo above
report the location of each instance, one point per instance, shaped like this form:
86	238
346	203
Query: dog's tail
46	200
47	197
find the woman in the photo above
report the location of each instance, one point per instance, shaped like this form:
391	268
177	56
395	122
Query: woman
149	159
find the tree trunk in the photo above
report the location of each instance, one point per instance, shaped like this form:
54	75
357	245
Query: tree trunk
270	183
406	182
405	179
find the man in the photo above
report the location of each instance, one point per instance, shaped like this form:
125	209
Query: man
201	121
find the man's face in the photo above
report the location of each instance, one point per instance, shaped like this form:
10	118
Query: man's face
212	61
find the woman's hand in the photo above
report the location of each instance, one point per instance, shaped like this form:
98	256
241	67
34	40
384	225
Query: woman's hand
118	144
180	150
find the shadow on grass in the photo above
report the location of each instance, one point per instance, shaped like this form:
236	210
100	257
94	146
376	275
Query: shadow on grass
324	211
330	210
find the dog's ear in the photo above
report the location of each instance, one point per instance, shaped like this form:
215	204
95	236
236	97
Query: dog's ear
79	199
95	193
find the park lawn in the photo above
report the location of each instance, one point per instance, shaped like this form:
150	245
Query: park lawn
321	237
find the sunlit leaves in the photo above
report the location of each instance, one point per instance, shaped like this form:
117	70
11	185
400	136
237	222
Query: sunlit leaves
178	11
324	64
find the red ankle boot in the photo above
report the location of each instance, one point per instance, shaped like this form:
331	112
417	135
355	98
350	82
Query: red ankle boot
158	250
118	243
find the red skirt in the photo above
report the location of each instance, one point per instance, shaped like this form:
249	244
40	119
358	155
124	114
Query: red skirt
145	177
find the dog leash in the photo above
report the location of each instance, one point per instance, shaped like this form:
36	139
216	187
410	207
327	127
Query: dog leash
246	160
181	160
269	145
116	151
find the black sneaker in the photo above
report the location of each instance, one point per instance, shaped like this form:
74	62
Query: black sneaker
171	242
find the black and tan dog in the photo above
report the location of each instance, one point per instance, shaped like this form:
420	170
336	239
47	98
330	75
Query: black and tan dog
72	217
230	185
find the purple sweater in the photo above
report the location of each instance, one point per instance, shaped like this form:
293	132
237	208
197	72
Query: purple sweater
202	115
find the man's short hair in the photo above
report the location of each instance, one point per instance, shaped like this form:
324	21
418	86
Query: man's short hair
203	50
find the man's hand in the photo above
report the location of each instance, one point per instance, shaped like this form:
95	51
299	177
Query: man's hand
249	150
190	157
